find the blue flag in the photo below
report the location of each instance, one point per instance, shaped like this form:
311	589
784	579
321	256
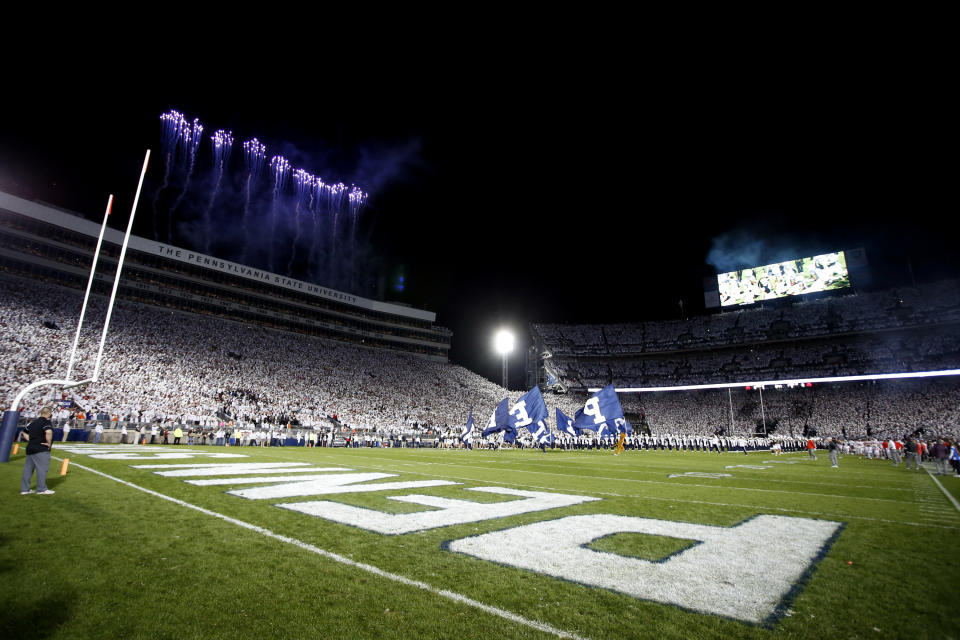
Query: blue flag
542	433
565	424
498	419
623	425
551	376
601	407
528	411
467	435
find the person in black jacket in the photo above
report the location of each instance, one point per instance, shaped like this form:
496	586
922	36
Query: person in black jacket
39	436
834	448
913	454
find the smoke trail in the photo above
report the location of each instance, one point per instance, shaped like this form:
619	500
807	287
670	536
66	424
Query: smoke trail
332	247
317	191
302	183
191	136
254	154
172	123
281	169
222	143
335	191
356	199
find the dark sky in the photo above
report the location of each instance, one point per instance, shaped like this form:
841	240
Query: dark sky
562	201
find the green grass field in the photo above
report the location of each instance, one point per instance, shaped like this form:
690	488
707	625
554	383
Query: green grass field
104	559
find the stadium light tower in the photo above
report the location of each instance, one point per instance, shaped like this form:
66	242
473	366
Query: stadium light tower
503	343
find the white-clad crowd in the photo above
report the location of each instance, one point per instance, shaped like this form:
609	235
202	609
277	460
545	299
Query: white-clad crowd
161	364
921	350
927	304
168	366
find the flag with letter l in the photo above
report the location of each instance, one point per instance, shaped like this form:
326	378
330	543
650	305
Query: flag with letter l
565	424
467	435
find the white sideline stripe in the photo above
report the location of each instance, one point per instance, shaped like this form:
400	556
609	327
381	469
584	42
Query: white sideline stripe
956	505
450	595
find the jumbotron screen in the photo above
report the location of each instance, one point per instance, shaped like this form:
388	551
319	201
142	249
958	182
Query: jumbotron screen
790	278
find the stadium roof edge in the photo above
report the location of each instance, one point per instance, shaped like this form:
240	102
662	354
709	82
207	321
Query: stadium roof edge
767	383
62	218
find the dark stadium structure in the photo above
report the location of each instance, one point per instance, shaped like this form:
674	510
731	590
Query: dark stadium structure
199	340
897	330
43	242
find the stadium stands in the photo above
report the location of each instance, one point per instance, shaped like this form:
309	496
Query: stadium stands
200	346
901	330
161	364
39	241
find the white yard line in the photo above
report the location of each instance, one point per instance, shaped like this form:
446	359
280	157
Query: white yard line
329	555
949	495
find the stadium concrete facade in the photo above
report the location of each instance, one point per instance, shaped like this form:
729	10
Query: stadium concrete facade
43	242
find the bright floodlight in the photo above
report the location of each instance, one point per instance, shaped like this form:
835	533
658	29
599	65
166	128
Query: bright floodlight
503	342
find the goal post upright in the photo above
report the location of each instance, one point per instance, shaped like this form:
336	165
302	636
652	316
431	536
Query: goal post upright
86	297
116	280
11	417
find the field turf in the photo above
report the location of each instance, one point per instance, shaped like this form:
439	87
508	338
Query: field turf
105	559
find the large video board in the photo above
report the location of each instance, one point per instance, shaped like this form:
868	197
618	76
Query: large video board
790	278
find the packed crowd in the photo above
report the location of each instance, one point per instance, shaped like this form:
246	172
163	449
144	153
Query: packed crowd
162	365
169	368
860	410
921	349
925	305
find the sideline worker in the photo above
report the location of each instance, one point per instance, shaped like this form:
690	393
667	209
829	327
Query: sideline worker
39	435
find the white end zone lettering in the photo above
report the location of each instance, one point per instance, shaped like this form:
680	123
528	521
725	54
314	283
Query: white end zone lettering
140	452
447	510
313	484
326	484
233	469
727	574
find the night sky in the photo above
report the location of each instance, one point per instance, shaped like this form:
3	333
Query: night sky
517	202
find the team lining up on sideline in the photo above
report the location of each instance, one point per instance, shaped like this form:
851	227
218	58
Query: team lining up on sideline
943	452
